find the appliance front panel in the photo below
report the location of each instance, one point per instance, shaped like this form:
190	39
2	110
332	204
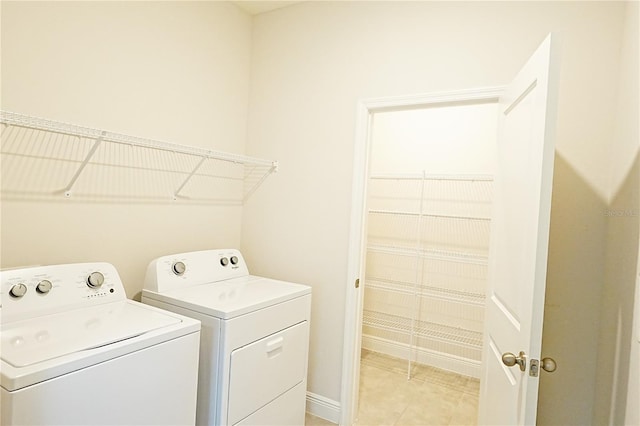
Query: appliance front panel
209	392
264	370
287	410
153	386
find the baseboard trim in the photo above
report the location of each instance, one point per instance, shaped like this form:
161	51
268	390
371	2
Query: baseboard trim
464	366
322	407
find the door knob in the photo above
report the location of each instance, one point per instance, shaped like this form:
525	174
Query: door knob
510	360
549	365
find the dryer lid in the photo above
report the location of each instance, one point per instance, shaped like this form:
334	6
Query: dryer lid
231	298
29	342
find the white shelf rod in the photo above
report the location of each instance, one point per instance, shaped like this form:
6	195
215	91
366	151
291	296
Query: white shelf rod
444	216
419	176
417	279
36	123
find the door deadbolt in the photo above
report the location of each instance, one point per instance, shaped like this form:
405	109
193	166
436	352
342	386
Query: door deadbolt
510	360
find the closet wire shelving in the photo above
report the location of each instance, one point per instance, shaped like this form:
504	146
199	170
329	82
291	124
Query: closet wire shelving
48	159
471	263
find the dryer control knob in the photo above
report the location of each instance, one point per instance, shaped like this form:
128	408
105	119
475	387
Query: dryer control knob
18	290
178	268
234	260
224	261
44	287
95	280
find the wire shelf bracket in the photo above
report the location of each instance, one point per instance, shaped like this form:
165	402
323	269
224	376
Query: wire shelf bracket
94	148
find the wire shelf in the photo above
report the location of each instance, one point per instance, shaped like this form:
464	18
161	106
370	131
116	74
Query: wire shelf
444	255
434	215
48	159
420	176
453	196
423	329
434	292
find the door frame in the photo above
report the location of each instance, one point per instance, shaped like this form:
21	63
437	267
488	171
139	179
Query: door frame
366	108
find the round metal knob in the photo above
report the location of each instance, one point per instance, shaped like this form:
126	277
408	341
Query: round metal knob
510	360
234	260
44	287
179	268
224	261
95	280
18	290
549	365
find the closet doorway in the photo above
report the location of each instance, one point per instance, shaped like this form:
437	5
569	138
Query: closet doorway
519	247
428	213
425	217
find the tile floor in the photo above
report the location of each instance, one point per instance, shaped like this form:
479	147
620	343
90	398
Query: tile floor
431	397
311	420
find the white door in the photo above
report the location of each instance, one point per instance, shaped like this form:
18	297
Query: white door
519	241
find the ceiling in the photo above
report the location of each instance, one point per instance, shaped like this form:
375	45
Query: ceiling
257	7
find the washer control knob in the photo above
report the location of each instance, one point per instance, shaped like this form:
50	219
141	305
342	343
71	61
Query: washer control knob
224	261
234	260
178	268
95	280
44	287
18	290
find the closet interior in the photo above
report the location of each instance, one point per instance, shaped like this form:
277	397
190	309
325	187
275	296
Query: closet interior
428	222
426	272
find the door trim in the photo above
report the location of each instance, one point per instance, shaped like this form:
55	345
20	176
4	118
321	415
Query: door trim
365	110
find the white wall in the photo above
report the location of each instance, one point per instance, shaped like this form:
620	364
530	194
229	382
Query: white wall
455	139
174	71
626	141
313	61
632	414
618	352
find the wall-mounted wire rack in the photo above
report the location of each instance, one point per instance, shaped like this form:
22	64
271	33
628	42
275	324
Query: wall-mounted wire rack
47	159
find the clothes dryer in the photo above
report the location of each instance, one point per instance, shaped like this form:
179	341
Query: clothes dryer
254	340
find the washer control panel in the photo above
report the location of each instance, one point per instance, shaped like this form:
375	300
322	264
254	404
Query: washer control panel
194	268
40	290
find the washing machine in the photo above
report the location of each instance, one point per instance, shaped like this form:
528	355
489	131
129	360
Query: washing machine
75	350
254	340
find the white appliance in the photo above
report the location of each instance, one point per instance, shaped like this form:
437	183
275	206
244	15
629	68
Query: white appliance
76	351
254	341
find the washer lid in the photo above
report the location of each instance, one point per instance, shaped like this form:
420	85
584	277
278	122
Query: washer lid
29	342
234	297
